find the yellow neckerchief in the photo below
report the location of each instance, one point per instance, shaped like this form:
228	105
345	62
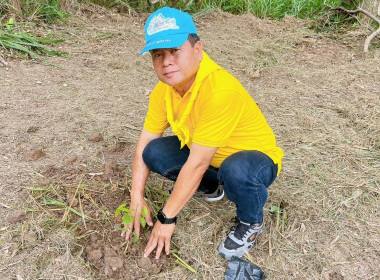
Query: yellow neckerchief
206	67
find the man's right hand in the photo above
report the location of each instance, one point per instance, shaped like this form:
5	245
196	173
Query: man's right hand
137	205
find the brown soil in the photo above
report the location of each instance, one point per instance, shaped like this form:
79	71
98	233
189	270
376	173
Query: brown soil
68	133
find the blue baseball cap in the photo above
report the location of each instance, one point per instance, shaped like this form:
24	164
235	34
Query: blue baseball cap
167	28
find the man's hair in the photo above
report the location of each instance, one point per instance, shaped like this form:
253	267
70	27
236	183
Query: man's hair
193	38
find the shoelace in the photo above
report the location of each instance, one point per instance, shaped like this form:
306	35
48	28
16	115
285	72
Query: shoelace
239	228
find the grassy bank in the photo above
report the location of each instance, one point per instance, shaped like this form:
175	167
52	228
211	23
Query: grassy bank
53	10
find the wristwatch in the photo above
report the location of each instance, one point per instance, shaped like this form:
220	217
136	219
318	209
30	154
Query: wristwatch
164	220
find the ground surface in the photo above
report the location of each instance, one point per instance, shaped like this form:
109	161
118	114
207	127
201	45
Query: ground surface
68	133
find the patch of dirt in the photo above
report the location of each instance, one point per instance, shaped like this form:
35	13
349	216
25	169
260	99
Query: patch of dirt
96	137
16	217
34	155
320	95
110	260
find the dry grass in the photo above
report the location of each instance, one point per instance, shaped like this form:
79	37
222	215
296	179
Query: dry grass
320	95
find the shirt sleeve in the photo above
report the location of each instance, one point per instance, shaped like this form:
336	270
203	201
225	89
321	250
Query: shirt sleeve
218	119
156	119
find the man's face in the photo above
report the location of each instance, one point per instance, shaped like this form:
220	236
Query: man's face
178	67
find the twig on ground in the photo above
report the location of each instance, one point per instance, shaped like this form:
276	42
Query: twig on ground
84	188
202	263
249	257
71	203
22	235
132	127
101	210
39	174
81	210
270	247
64	276
5	206
200	217
35	201
3	61
360	10
9	265
126	247
96	173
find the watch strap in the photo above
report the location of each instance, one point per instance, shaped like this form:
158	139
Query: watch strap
165	220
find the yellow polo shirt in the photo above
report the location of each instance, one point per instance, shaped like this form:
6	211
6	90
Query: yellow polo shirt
223	115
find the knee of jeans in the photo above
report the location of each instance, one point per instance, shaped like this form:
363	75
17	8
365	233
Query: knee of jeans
231	172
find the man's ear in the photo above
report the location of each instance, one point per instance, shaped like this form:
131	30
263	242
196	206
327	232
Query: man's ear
199	49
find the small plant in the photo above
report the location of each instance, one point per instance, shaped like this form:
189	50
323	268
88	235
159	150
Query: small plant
128	218
281	215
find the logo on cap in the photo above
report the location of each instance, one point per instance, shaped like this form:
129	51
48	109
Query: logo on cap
160	23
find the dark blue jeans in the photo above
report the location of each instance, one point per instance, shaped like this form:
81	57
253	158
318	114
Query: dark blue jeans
245	175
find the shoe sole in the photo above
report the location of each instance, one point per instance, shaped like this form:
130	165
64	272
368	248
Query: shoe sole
227	254
213	199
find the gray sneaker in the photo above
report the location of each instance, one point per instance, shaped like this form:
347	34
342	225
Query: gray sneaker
240	239
215	196
218	194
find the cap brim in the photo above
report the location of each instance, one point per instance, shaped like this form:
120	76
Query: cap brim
166	42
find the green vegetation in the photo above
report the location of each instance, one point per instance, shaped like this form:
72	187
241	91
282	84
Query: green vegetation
181	261
128	218
281	216
275	9
15	40
54	10
48	11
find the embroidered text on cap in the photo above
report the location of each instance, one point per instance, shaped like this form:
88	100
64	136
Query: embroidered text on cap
160	23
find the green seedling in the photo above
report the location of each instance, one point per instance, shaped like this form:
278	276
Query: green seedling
10	23
128	218
281	216
276	210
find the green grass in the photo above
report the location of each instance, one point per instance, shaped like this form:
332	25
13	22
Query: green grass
48	11
51	11
324	18
275	9
15	40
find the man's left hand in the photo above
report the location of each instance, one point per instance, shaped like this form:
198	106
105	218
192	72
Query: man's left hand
160	238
